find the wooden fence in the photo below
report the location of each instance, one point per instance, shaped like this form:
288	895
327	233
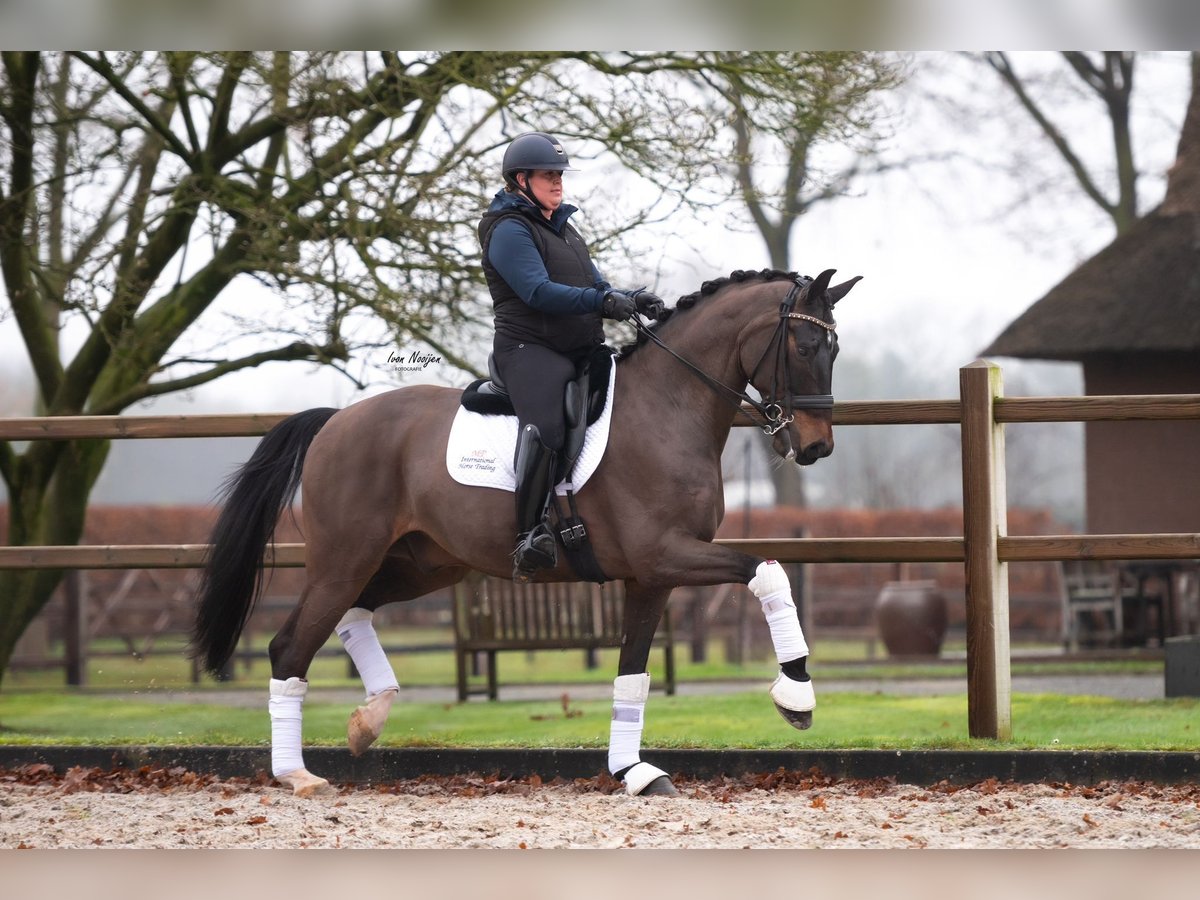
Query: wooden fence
985	549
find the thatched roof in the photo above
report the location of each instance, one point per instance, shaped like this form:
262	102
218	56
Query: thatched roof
1141	293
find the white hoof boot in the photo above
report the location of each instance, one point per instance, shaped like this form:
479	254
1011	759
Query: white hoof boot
366	722
304	783
795	701
645	780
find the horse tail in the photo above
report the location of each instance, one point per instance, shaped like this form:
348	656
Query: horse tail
255	496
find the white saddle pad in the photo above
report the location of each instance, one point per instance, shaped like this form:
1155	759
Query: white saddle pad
481	448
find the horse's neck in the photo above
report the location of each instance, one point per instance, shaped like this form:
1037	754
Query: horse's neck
669	392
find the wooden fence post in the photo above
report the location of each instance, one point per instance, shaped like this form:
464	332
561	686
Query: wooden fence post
75	637
985	520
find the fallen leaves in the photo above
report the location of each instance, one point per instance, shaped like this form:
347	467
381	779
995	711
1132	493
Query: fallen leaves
118	780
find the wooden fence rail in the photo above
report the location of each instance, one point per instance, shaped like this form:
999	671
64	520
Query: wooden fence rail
985	548
1012	548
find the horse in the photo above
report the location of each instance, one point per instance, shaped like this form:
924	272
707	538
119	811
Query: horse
384	522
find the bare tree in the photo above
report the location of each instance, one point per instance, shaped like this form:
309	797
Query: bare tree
776	148
1107	172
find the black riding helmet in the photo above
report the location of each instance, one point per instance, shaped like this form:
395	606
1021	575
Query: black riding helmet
532	151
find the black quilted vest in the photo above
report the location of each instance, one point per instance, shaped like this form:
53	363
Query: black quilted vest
567	262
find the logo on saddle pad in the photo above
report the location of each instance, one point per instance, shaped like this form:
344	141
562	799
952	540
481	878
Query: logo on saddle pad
480	450
479	460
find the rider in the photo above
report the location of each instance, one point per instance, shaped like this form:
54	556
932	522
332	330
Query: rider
549	299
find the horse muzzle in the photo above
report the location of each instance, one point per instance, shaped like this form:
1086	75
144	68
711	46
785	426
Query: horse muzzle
807	455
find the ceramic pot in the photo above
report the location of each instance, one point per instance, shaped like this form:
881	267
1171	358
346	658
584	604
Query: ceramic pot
911	617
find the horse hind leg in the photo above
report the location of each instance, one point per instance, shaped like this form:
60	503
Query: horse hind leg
357	633
322	605
396	581
286	705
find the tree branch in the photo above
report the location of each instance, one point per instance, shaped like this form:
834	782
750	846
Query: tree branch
454	359
1088	71
178	64
156	123
230	77
1000	63
292	352
136	273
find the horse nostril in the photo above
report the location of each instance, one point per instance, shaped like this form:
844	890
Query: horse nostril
817	450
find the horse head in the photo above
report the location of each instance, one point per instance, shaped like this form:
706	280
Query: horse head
794	368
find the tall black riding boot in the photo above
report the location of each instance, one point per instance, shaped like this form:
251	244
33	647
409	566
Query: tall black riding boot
536	468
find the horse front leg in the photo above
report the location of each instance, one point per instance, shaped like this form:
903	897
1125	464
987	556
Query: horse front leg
643	610
698	563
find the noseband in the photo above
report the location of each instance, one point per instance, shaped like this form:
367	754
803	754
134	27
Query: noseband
778	407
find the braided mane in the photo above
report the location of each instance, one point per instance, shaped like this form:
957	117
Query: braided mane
707	289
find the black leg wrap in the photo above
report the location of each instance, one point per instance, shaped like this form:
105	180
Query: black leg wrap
797	669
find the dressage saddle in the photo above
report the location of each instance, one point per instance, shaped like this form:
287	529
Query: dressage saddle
583	402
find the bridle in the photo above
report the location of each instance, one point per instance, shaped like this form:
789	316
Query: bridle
778	407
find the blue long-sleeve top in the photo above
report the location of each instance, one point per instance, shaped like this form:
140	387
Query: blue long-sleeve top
515	256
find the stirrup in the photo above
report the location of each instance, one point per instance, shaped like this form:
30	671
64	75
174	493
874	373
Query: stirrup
535	550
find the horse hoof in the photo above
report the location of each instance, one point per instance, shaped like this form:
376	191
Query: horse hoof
799	720
304	783
659	787
645	780
366	723
795	701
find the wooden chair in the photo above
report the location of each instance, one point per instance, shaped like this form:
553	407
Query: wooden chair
1105	597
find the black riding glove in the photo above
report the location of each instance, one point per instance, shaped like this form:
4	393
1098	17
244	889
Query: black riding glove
618	305
648	304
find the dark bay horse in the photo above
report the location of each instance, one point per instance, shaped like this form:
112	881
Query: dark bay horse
384	521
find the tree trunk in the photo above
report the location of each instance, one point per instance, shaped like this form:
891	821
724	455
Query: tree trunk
787	479
44	512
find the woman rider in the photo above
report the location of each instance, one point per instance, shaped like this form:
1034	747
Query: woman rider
549	299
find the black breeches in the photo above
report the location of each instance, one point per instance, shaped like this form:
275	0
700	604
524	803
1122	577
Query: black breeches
536	378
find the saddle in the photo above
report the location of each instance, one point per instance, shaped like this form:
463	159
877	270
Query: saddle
583	401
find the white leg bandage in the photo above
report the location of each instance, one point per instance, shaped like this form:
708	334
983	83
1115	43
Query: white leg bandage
286	707
629	706
770	585
362	643
625	737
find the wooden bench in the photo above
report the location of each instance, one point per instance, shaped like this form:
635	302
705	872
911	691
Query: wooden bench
493	615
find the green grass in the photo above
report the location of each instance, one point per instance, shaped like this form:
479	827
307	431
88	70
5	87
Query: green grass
35	708
844	659
843	720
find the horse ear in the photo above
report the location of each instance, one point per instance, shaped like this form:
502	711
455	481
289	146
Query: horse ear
820	283
838	291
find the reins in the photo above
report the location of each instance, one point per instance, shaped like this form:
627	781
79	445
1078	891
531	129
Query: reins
776	409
